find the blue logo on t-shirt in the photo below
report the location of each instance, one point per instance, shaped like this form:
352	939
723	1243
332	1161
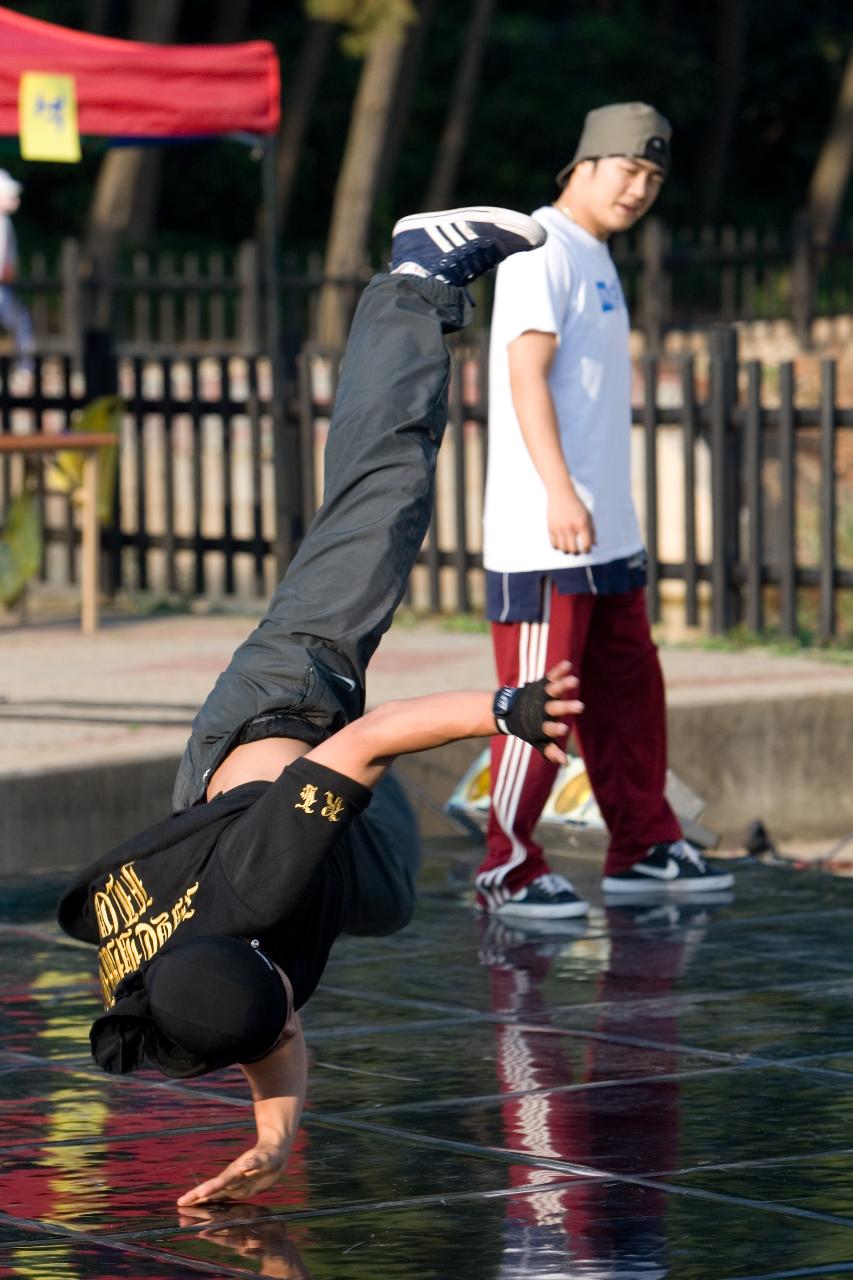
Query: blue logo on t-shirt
609	294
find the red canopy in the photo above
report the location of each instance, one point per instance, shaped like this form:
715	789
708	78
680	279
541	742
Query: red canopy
126	89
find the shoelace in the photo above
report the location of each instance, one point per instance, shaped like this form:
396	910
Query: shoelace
552	884
472	259
686	852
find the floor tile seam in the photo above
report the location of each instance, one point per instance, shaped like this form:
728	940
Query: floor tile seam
399	1002
660	1182
697	1051
680	1002
806	1069
31	1224
66	1236
97	1076
638	1042
817	914
655	1182
800	1273
438	1105
386	1029
42	934
389	954
500	1155
354	1207
770	1162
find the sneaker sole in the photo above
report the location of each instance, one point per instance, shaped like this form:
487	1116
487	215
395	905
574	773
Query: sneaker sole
507	219
520	911
715	884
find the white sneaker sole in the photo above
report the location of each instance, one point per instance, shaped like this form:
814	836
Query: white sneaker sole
507	219
524	911
714	884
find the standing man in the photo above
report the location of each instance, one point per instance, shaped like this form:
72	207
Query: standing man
565	562
14	316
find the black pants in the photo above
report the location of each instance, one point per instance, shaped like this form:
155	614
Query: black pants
308	656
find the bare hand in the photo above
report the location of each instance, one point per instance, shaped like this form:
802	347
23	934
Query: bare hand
253	1171
559	683
570	525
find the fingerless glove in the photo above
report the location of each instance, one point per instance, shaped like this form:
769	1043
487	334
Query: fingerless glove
521	712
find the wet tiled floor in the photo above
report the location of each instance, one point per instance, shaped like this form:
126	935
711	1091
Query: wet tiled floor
665	1092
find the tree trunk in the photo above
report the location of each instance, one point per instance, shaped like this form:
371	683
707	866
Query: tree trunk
355	193
732	24
99	17
298	105
230	22
454	136
127	190
406	83
832	171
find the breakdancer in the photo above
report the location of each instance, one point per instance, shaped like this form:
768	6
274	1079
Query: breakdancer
214	926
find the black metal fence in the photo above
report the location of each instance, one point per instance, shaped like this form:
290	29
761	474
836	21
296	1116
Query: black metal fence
684	278
153	304
744	490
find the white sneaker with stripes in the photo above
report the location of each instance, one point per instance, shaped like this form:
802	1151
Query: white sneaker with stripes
458	245
548	897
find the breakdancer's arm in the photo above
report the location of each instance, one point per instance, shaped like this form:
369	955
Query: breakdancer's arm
278	1084
365	749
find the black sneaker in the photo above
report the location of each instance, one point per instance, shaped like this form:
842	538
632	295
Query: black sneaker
548	897
677	866
459	245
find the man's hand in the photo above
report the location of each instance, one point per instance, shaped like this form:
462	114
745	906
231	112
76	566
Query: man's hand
570	525
278	1091
255	1170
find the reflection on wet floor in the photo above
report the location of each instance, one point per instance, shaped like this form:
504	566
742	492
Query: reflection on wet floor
664	1091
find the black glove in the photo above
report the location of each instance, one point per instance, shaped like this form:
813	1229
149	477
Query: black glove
521	712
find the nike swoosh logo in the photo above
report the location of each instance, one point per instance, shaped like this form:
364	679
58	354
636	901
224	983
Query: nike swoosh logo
350	683
669	872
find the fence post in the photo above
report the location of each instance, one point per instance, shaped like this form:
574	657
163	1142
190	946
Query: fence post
654	243
248	299
100	370
72	301
802	277
725	473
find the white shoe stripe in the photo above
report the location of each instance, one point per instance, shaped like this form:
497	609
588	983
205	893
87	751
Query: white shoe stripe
436	234
453	233
517	756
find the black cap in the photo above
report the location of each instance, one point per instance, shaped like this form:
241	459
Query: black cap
198	1006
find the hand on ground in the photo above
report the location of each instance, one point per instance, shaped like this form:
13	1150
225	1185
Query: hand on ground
253	1171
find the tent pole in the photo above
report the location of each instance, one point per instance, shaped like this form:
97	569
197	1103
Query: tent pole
285	460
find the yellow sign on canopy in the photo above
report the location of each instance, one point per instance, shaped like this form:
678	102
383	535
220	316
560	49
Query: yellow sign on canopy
47	117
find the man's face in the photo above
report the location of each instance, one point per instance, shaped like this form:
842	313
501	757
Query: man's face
615	192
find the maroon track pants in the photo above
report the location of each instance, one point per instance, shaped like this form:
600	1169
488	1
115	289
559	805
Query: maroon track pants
621	734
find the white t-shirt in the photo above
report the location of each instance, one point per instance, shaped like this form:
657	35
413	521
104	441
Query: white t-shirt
570	288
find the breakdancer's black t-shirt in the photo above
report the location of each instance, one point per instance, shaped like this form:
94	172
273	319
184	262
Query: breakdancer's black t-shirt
267	860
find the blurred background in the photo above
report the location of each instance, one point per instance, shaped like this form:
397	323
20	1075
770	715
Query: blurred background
145	272
486	101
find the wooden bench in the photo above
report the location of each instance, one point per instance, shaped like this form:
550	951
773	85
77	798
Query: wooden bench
88	445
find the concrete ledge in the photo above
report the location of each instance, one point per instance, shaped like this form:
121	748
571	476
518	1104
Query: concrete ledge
68	817
787	761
